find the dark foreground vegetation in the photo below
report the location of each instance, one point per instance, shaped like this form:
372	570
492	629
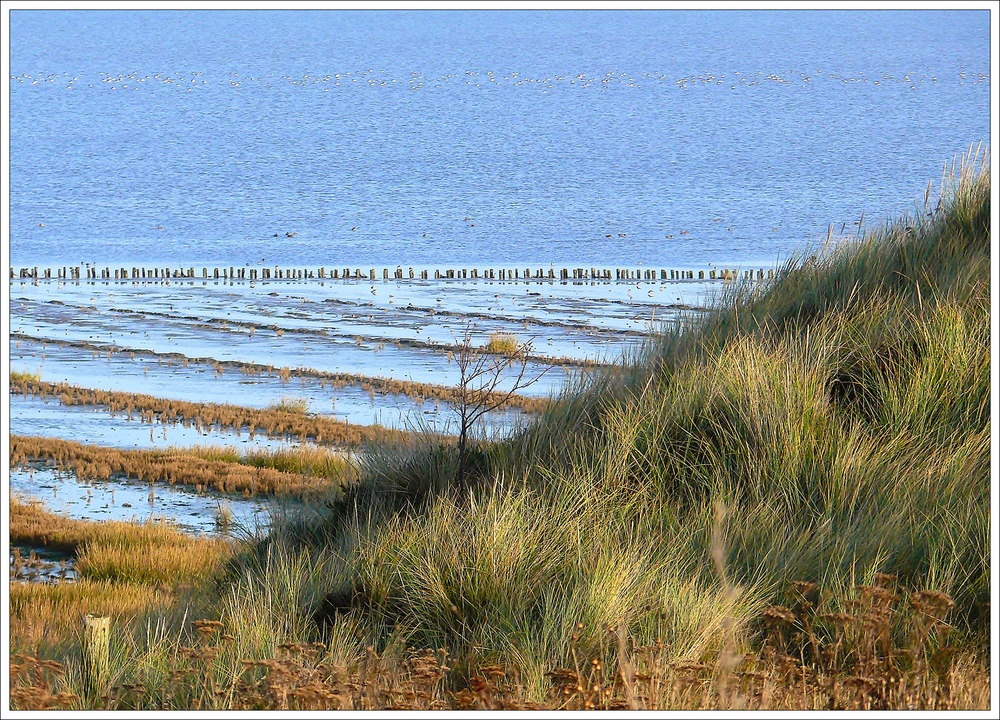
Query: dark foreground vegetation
783	506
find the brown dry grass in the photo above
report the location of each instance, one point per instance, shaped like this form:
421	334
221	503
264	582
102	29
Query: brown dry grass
853	669
92	462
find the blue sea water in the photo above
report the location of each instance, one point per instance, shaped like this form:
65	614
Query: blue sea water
487	137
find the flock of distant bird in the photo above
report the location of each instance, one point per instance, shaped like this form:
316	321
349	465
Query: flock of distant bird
417	81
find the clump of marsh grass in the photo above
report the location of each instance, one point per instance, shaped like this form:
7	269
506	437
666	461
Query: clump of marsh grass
147	553
289	404
336	380
503	344
223	516
285	418
24	376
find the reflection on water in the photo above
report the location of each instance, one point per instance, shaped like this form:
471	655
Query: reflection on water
121	499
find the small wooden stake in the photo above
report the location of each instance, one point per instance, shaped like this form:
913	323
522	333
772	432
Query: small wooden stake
96	637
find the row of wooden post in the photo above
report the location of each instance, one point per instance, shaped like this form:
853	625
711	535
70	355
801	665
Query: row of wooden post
278	273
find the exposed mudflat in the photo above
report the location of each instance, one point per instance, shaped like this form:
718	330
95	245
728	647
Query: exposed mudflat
256	344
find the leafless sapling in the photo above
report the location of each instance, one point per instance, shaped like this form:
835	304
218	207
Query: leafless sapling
487	381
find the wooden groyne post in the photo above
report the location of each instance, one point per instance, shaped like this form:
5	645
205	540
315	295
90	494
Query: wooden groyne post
231	273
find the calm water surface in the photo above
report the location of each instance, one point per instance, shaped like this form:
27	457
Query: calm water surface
428	137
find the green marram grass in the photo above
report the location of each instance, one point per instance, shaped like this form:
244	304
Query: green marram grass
838	418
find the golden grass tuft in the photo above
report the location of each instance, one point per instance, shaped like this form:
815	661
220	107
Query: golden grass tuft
288	404
504	344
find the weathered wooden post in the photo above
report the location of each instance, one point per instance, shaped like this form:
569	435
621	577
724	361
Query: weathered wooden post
96	643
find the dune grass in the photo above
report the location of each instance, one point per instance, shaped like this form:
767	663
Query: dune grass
782	506
837	417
